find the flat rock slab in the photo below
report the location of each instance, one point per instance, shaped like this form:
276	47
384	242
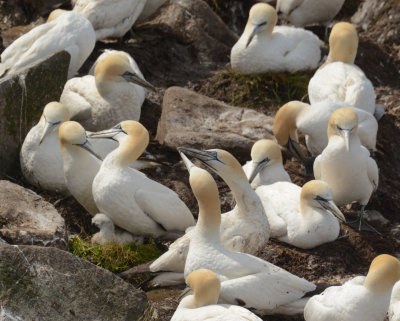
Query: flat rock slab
193	120
26	218
48	284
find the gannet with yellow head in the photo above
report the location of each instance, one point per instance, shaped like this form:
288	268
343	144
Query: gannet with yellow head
265	47
361	298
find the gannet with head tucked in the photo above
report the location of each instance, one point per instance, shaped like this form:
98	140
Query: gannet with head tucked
266	165
67	31
245	279
108	97
359	299
394	308
132	201
202	304
264	47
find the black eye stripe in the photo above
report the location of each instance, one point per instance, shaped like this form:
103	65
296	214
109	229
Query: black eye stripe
319	198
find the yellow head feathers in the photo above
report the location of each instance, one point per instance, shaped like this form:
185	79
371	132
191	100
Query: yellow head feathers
112	67
262	13
343	120
315	188
72	133
343	43
55	112
206	287
266	148
383	273
55	14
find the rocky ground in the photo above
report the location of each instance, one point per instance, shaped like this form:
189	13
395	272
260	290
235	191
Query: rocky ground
187	45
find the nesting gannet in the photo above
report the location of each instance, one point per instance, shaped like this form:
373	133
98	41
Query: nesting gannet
339	79
108	97
312	121
394	308
110	18
245	279
202	304
264	47
67	31
134	202
266	165
359	299
345	164
150	7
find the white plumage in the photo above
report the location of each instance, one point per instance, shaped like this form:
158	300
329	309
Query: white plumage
394	308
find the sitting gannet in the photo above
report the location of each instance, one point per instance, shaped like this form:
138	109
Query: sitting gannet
202	304
339	79
266	165
359	299
264	47
394	308
64	30
108	97
345	164
110	18
245	279
132	201
304	217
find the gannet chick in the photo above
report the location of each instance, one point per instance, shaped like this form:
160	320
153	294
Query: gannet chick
132	201
67	31
266	165
361	298
108	97
346	165
202	304
339	79
245	279
110	18
304	217
264	47
394	308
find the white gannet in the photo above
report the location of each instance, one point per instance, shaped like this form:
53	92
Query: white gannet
150	7
265	47
245	279
243	229
266	165
394	308
110	18
202	304
304	217
67	31
108	97
312	121
345	164
359	299
339	79
132	201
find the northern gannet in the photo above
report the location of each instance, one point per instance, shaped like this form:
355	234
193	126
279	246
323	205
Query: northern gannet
394	308
132	201
266	165
359	299
67	31
245	279
304	217
265	47
108	97
202	304
345	164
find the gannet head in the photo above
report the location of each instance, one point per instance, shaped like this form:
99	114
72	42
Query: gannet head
343	43
55	14
264	152
262	17
383	273
206	287
343	122
318	194
53	115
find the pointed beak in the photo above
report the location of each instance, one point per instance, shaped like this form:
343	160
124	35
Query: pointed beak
134	78
48	128
256	29
331	206
205	156
87	146
257	167
295	149
346	136
189	165
107	133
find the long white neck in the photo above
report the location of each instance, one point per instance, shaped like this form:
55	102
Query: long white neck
187	302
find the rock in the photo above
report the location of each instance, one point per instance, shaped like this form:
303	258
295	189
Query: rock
373	216
193	120
20	108
39	283
25	218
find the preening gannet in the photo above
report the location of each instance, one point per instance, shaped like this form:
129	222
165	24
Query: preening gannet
394	308
266	165
67	31
265	47
245	279
108	97
202	304
132	201
359	299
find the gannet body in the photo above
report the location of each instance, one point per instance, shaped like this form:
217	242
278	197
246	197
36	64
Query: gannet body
134	202
394	308
68	31
202	305
108	97
264	47
304	217
361	298
266	165
150	7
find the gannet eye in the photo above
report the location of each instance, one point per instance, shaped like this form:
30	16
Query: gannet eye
320	198
339	128
262	24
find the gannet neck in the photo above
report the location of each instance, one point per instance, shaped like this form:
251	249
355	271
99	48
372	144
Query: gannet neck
206	287
55	14
383	273
285	121
343	43
343	122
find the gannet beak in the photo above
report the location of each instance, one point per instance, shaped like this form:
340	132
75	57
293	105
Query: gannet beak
256	29
134	78
87	146
346	136
331	206
107	133
189	165
48	128
295	149
257	167
204	156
